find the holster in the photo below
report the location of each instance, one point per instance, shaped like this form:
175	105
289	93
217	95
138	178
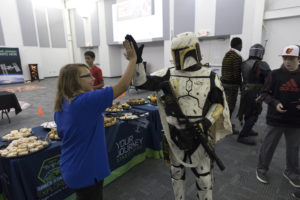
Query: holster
186	140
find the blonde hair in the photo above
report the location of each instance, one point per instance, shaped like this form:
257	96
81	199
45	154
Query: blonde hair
68	84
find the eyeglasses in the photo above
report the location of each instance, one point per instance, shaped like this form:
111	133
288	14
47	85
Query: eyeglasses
86	76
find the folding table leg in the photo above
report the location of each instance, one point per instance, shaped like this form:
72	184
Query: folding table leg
6	112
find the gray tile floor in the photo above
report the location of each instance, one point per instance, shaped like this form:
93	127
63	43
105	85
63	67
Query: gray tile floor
150	180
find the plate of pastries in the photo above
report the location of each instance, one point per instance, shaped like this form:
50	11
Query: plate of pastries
24	146
116	107
125	106
136	101
17	134
49	125
109	121
128	116
153	99
52	134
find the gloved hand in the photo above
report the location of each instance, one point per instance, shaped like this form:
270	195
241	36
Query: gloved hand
138	50
201	126
205	124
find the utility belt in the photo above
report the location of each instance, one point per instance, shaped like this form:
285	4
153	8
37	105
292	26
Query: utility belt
185	139
253	86
231	85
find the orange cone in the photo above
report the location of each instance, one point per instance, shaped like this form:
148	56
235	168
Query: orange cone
122	95
40	111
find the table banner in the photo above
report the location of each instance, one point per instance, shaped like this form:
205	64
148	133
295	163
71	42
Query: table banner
38	176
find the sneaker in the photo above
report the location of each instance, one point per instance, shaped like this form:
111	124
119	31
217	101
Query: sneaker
253	133
246	140
296	195
262	177
235	132
294	181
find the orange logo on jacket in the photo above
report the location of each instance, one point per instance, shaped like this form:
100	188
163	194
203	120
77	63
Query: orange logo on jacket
289	50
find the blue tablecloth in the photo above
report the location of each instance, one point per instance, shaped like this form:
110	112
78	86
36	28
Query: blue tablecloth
156	123
37	176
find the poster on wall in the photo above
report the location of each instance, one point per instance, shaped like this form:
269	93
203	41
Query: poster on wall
10	66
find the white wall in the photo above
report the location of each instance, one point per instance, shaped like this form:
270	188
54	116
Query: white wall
77	57
13	38
110	55
52	59
205	16
279	4
49	60
213	51
153	54
10	23
103	49
280	33
115	57
252	25
263	20
281	28
31	55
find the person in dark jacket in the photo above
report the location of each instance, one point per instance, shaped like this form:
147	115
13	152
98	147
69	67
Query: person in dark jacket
231	74
296	194
282	94
254	73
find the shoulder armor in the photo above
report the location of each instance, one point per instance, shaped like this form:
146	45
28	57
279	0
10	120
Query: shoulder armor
264	65
160	73
204	71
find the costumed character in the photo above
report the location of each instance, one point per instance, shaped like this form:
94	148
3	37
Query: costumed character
202	110
254	73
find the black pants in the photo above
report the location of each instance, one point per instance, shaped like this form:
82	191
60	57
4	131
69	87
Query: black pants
249	123
94	192
271	140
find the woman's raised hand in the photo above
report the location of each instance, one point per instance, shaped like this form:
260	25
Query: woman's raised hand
130	53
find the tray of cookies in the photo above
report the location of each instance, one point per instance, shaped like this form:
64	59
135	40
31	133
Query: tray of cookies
141	101
109	121
128	116
17	134
49	125
116	107
126	106
153	99
24	146
52	134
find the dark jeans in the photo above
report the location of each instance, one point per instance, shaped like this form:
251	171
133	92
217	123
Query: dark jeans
94	192
249	123
231	92
292	140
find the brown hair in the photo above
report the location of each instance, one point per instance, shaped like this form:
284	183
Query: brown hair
68	84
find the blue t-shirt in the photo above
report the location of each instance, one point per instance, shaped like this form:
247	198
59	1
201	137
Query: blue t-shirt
81	127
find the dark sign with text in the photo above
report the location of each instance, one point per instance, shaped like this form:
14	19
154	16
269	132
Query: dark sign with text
10	66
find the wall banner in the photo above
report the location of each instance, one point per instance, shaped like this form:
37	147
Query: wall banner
10	66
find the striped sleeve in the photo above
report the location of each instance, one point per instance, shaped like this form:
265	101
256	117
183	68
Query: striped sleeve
231	67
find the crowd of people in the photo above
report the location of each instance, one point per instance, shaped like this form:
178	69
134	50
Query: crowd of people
195	107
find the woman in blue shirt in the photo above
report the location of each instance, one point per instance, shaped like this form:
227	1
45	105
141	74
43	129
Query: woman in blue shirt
80	124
